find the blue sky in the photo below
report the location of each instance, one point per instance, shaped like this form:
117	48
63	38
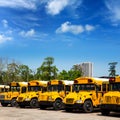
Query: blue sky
71	31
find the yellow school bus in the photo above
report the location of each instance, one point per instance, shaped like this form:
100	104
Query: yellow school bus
10	97
111	100
56	91
30	98
86	94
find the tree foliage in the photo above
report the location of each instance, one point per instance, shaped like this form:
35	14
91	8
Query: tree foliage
112	69
14	71
47	70
72	74
24	72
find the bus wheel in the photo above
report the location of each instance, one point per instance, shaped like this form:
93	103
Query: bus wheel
105	112
58	104
34	103
4	104
88	106
14	103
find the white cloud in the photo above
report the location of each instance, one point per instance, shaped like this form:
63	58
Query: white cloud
114	10
54	7
89	27
4	38
29	33
28	4
75	29
5	23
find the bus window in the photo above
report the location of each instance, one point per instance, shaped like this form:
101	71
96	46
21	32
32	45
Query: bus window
104	87
67	88
98	87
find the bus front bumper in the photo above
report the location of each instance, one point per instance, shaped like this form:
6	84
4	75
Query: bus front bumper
5	101
46	103
25	103
111	107
74	106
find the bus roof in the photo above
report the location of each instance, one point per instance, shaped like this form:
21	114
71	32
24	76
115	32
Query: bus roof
41	81
68	82
102	79
19	83
37	82
2	86
94	78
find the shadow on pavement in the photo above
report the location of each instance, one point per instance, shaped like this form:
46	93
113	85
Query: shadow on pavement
112	114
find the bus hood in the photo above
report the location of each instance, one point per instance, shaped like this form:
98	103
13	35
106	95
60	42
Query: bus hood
27	96
79	97
112	97
50	96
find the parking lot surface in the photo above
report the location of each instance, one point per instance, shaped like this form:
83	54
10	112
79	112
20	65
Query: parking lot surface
11	113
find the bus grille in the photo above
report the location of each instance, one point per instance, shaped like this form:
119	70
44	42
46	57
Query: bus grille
20	98
112	100
108	99
118	100
2	97
69	100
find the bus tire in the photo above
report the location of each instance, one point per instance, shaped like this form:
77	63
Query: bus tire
88	106
34	103
4	104
14	103
58	104
105	112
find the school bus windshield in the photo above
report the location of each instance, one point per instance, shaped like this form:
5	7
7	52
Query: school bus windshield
34	88
55	87
15	88
115	87
79	87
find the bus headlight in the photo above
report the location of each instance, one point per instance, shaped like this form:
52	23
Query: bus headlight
27	99
50	98
79	101
101	101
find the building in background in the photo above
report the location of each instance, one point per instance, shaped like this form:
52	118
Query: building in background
87	68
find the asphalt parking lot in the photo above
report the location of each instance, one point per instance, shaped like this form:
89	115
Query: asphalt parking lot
11	113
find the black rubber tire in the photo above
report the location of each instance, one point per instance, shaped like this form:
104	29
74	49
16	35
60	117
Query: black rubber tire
88	106
58	104
14	103
105	112
4	104
34	103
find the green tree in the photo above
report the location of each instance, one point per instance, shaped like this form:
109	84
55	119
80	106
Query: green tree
71	74
54	72
3	63
12	71
112	69
47	70
63	75
24	72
